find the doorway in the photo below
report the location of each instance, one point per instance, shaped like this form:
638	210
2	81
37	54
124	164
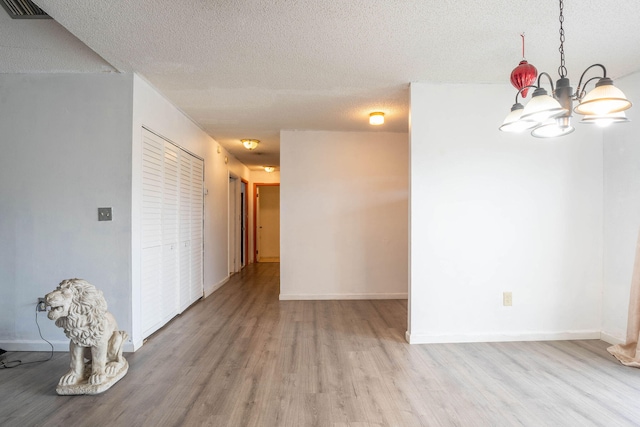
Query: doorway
267	222
238	224
235	227
244	214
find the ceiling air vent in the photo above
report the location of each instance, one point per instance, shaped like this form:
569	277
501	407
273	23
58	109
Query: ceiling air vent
23	9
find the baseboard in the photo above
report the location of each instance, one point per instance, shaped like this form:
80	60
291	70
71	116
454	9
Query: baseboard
215	287
413	338
611	339
131	347
39	345
34	345
298	297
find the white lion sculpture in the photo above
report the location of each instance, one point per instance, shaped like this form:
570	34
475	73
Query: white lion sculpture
79	308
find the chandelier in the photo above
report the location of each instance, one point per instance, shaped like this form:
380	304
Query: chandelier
549	116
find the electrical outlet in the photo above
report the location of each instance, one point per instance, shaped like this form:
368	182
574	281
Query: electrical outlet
507	299
42	306
104	214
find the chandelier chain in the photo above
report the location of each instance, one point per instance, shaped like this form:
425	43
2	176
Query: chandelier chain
562	70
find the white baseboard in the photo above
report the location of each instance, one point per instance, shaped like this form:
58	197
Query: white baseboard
611	339
130	347
209	290
413	338
305	297
34	345
39	345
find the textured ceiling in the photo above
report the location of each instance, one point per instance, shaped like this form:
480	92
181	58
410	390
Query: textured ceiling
43	45
247	69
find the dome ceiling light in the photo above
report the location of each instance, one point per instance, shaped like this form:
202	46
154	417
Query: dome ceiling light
250	144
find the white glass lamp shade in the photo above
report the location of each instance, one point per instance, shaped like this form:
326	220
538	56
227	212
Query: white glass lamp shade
513	122
606	119
250	144
542	107
553	128
605	98
269	169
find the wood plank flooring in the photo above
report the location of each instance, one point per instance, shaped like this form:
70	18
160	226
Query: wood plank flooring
243	358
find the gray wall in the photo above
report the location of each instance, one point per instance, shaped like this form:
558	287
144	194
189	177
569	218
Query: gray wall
66	150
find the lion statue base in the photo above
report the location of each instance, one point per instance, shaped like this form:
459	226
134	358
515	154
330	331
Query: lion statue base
96	343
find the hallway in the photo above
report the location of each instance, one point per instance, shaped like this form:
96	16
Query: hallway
243	358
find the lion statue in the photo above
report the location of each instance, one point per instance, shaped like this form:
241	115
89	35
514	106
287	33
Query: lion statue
79	308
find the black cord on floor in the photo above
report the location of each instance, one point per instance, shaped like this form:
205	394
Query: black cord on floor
6	364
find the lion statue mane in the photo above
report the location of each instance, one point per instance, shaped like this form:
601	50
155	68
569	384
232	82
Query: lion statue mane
79	308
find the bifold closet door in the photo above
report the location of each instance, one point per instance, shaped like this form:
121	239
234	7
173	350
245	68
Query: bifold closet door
191	225
171	276
196	285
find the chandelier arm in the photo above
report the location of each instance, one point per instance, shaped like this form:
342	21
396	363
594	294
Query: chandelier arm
550	80
580	93
526	87
580	89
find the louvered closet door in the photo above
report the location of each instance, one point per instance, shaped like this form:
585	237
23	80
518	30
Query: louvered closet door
172	231
191	229
185	231
151	265
196	285
170	234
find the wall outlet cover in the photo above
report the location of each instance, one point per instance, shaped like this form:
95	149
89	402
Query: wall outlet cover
507	299
104	214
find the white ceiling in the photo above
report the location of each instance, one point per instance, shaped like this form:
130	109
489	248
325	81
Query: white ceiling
249	68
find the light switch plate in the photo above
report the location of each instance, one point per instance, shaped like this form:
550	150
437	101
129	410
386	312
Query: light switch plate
104	214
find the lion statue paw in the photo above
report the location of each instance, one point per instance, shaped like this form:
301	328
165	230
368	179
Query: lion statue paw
112	368
69	379
96	379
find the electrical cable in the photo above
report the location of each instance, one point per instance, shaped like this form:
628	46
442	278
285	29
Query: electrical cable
7	364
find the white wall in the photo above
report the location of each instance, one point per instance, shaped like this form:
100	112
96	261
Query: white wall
494	212
152	110
66	150
621	213
263	177
343	215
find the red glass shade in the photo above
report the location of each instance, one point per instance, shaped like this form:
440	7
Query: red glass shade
523	75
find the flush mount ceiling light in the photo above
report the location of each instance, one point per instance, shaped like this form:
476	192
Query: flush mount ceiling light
269	169
250	144
550	115
376	118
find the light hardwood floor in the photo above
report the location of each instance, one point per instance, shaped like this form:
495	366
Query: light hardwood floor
243	358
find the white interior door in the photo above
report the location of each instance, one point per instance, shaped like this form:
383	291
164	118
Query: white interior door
196	285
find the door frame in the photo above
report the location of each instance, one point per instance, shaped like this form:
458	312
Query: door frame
245	222
255	214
